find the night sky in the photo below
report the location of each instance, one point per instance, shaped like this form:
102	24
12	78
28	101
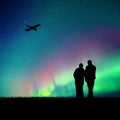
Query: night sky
41	63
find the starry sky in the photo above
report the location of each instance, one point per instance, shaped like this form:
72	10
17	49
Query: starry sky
41	63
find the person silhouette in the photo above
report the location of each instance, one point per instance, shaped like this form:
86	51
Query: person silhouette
90	76
79	80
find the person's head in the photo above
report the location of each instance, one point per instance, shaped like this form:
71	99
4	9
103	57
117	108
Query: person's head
89	62
80	65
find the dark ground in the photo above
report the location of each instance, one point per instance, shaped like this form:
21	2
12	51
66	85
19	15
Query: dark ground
60	103
66	106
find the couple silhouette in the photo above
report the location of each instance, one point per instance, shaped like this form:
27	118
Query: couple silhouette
88	75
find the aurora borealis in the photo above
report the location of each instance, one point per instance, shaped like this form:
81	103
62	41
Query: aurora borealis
41	63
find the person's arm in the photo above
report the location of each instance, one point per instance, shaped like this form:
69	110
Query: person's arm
95	72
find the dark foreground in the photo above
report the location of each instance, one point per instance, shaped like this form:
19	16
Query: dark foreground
62	105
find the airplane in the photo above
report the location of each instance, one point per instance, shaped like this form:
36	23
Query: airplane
32	27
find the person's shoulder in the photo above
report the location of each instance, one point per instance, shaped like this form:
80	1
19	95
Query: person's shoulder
86	66
76	69
94	66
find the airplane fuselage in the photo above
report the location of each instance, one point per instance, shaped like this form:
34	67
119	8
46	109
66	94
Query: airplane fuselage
32	27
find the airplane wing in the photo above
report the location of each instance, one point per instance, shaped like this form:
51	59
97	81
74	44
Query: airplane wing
37	25
27	29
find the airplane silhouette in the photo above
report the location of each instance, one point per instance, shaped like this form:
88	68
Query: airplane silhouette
32	27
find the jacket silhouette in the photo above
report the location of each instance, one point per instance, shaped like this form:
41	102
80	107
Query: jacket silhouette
90	76
79	80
